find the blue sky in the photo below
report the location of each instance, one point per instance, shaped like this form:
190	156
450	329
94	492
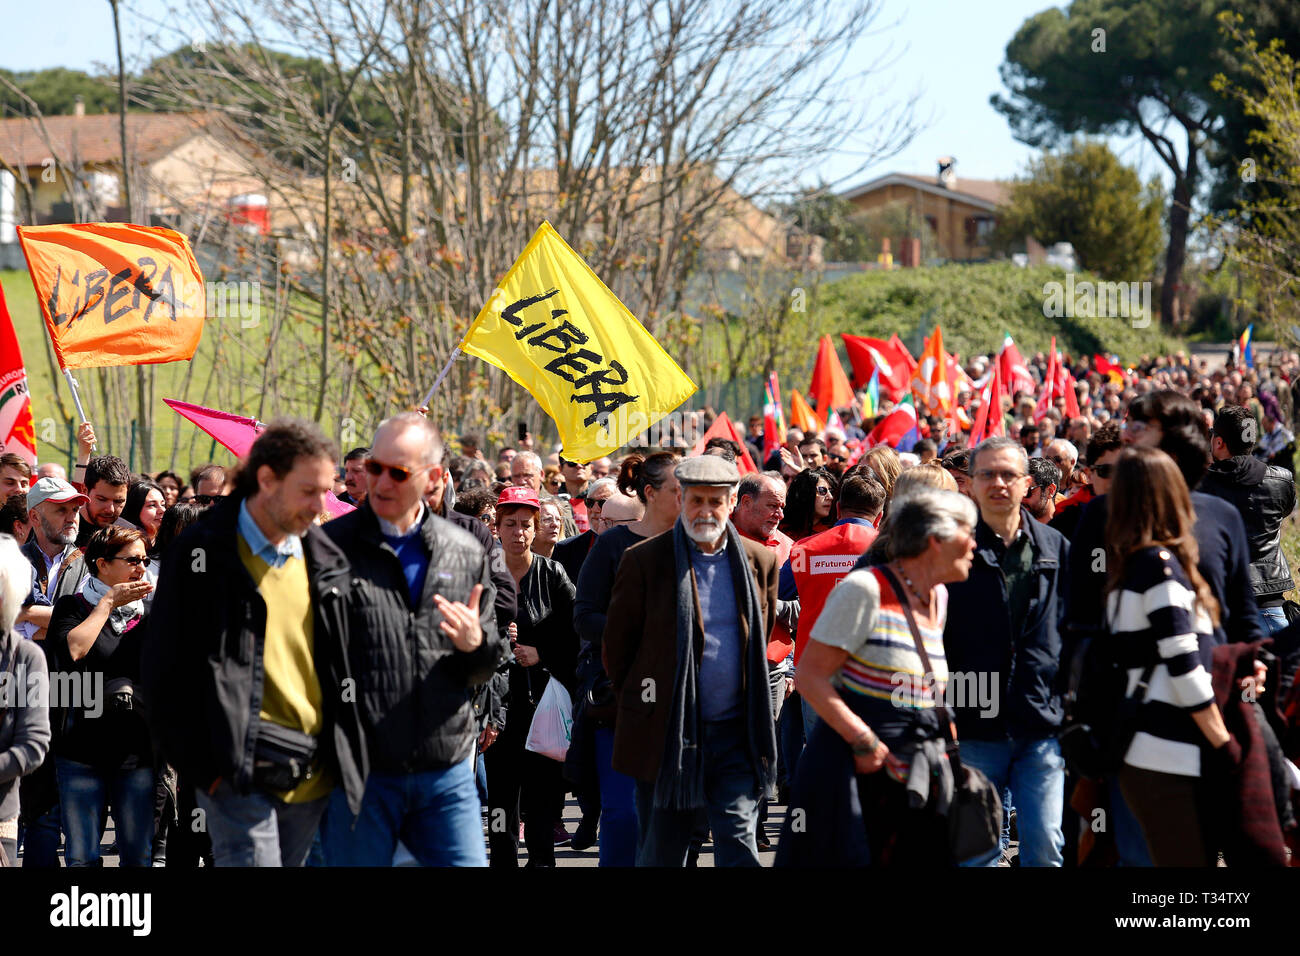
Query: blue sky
947	50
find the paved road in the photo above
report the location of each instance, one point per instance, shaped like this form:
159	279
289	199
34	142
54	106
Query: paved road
564	855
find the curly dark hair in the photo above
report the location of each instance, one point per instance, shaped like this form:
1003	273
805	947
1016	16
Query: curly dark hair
282	444
801	501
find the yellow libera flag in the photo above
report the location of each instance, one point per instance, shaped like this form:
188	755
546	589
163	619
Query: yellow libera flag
555	328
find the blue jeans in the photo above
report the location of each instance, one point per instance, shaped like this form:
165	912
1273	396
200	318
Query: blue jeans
618	831
85	794
480	779
1272	620
435	813
257	829
1034	771
40	840
790	736
731	790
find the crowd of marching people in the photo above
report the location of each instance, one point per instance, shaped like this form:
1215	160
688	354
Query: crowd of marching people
1067	645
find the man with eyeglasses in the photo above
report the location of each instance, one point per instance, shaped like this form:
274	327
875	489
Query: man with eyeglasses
423	635
1003	645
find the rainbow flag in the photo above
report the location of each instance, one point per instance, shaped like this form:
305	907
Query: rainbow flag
871	404
1245	355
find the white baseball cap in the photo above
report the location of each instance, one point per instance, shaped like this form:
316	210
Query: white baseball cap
53	489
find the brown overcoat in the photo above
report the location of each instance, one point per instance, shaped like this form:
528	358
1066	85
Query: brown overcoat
640	645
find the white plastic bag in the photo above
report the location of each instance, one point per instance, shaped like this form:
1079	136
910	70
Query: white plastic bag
552	726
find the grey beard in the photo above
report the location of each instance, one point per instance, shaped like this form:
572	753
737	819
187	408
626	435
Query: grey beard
703	535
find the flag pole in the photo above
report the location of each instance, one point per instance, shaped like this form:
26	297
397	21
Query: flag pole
441	375
76	396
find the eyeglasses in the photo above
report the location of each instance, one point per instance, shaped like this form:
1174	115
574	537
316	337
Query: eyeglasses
989	474
134	560
823	491
376	469
1135	427
1103	471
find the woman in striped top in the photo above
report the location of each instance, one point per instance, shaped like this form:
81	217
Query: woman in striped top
1162	613
863	676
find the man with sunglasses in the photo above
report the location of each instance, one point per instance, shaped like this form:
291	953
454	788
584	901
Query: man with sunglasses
1103	449
575	478
423	635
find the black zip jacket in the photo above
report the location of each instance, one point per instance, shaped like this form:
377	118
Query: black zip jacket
414	688
978	638
1264	496
201	661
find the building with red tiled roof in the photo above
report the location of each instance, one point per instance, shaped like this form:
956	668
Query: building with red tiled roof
960	213
69	168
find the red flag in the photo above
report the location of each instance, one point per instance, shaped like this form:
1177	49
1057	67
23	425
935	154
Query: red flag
1071	398
17	433
894	427
1049	385
723	427
1015	373
988	422
830	386
867	355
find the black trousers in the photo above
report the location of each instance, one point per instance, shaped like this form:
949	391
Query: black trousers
519	779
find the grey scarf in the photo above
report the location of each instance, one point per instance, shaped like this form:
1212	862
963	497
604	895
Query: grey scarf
94	590
680	785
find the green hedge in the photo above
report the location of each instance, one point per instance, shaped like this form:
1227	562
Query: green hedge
976	305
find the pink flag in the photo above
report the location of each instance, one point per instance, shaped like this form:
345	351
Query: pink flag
237	433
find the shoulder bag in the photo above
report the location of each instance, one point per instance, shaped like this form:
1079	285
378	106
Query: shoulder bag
975	815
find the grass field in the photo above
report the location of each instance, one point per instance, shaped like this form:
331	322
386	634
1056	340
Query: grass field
55	421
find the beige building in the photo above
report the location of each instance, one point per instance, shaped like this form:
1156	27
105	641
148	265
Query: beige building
959	213
69	169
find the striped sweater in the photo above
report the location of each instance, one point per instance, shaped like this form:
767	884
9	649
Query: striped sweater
1155	612
883	678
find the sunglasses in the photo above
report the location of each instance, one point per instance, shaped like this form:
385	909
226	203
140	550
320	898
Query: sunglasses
134	560
1103	471
377	468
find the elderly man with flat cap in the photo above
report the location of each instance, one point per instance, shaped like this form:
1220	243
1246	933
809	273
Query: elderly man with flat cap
685	646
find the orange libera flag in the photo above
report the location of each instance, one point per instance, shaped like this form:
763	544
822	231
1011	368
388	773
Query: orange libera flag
17	433
115	293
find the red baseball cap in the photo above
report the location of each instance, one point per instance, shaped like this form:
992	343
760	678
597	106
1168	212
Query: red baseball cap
519	495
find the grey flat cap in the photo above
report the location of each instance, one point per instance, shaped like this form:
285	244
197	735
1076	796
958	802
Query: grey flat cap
706	470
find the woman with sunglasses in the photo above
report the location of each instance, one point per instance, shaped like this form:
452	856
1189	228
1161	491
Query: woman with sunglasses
810	503
102	750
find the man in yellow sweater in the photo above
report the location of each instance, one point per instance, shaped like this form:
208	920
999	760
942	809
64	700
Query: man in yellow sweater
245	663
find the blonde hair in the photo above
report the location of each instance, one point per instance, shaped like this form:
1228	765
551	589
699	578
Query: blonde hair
929	475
